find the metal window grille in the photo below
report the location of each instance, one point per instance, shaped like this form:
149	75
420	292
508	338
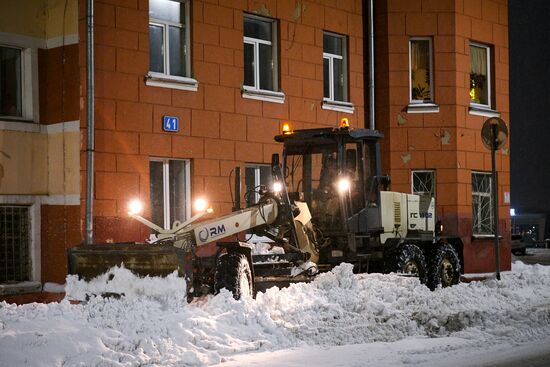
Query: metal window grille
482	205
15	261
423	183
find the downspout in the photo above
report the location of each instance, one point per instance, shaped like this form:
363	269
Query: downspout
90	122
370	21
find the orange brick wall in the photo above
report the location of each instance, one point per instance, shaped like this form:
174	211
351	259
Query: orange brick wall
219	129
448	141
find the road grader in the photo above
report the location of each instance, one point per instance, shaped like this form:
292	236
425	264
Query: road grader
328	204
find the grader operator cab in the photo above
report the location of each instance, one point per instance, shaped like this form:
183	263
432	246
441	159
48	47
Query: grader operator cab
328	205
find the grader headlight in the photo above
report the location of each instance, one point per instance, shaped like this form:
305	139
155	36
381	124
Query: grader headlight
277	187
135	207
343	185
201	205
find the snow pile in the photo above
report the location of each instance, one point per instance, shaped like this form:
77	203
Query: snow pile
153	325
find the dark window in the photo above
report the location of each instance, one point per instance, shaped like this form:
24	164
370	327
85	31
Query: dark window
260	53
10	82
15	261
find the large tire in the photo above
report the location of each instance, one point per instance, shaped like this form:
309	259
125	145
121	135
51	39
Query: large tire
407	259
444	267
233	273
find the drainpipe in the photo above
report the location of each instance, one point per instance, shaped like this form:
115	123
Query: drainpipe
370	21
90	122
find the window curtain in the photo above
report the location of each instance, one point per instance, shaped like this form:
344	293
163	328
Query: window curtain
419	55
478	60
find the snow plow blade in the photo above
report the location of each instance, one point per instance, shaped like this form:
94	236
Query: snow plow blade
142	259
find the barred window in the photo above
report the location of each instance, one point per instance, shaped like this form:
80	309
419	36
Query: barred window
482	205
423	182
15	261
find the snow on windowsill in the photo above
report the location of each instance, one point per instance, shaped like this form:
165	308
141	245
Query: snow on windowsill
20	288
338	106
170	81
263	95
482	111
422	108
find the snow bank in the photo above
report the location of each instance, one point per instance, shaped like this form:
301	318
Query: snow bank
153	325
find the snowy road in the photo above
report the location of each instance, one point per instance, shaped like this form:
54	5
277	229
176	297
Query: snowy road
340	319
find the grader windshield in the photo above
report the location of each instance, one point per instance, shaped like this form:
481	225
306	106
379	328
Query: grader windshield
333	171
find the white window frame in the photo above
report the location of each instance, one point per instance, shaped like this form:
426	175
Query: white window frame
257	176
432	171
482	106
430	50
331	58
157	79
476	231
254	91
166	188
29	79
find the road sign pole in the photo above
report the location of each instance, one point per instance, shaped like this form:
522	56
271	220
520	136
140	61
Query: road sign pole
495	200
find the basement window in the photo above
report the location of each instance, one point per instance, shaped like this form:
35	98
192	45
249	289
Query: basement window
482	204
169	45
170	189
15	257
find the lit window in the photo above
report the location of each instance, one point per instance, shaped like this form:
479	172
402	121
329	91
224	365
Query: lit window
480	75
260	53
423	182
482	205
11	82
334	67
256	175
169	37
421	70
170	191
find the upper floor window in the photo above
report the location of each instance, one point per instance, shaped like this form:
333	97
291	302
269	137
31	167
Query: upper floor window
480	75
421	70
11	84
169	42
335	83
482	203
260	53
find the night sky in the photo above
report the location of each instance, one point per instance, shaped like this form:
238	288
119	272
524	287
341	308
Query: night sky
529	22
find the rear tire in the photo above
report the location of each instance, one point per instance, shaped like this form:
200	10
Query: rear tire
444	268
233	273
407	259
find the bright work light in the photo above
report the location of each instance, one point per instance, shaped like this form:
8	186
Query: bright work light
135	207
201	205
343	185
277	186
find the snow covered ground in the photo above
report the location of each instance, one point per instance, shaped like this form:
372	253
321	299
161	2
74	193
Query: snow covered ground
340	319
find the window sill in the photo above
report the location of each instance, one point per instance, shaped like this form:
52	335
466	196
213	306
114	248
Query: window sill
20	288
263	95
170	81
345	107
481	237
483	111
19	125
423	108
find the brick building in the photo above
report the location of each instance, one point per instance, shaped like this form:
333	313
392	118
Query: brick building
232	72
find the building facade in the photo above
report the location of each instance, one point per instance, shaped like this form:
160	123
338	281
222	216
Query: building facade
187	90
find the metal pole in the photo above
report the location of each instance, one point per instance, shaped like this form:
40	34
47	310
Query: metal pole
372	123
90	121
495	202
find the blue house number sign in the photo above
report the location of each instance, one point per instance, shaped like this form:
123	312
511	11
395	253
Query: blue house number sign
171	123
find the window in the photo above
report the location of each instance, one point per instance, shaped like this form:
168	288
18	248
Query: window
421	70
15	262
334	67
256	175
423	182
480	76
169	45
170	191
260	59
482	206
11	83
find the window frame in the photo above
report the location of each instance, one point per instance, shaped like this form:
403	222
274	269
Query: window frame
29	84
489	58
155	78
166	188
257	176
344	58
489	195
433	172
431	66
